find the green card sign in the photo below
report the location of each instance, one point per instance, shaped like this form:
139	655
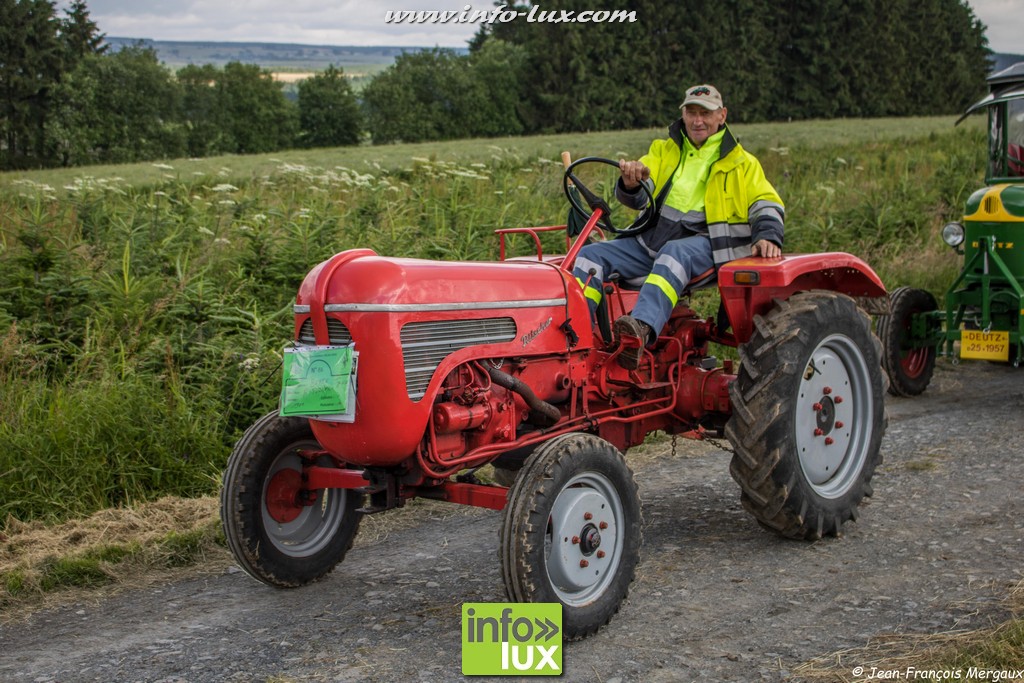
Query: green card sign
318	380
512	639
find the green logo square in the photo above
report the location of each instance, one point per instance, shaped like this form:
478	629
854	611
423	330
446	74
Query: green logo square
511	639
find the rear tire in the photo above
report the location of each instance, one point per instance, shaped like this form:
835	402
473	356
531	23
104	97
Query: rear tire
909	369
273	539
571	531
808	415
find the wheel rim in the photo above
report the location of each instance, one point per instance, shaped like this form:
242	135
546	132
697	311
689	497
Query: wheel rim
583	544
914	362
834	416
293	529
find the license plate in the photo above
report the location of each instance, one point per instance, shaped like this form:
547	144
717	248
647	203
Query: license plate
985	345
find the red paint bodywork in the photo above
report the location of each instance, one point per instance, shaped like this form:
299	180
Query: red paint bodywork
784	276
464	419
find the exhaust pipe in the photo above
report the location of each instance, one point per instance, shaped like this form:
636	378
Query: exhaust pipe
543	412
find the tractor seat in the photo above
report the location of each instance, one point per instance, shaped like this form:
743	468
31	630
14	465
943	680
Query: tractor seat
705	279
604	323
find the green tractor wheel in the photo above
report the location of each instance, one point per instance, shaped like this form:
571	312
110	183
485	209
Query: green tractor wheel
909	367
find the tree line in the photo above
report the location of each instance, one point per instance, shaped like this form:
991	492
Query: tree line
66	100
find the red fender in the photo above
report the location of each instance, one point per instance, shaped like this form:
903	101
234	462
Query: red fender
749	285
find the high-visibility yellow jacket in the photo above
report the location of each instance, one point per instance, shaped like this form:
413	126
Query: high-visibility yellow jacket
740	205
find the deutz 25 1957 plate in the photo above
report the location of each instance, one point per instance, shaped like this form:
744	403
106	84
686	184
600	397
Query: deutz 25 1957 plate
985	345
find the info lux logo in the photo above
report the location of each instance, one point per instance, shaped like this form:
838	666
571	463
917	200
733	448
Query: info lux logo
511	639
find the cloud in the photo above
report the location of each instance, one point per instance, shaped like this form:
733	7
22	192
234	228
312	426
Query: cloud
312	22
361	22
1004	20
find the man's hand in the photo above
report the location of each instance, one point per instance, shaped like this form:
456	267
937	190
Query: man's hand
633	173
766	249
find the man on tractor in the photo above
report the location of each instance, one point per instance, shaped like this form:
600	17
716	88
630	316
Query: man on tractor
713	204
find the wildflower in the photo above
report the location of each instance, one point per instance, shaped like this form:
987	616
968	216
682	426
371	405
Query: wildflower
164	167
225	187
250	364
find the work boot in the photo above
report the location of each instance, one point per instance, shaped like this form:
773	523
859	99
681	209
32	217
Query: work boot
628	326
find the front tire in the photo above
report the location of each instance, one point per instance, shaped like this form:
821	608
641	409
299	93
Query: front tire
274	538
571	531
910	369
808	415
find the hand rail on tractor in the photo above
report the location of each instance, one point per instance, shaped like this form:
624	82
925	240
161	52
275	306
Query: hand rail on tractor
501	232
533	232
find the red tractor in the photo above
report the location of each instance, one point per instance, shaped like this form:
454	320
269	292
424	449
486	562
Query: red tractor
465	364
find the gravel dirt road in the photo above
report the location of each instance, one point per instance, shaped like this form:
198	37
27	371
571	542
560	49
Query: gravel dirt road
716	598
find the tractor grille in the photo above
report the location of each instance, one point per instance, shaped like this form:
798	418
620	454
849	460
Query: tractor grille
336	330
426	344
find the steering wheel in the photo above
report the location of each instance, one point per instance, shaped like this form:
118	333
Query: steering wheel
570	183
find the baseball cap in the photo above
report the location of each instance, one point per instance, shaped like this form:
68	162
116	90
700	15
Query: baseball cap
706	96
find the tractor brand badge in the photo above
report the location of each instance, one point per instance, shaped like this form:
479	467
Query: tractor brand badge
529	337
511	639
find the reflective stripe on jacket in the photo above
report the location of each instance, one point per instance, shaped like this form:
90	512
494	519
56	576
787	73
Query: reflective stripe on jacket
740	205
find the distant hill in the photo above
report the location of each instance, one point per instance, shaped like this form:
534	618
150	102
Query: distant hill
356	60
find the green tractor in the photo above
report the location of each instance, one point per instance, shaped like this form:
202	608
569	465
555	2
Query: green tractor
984	307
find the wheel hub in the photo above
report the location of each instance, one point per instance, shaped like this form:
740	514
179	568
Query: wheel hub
283	496
582	519
590	539
830	423
826	414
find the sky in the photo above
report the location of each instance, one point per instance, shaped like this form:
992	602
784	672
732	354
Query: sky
362	22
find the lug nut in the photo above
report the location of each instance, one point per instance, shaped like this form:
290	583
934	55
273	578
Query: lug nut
819	431
600	554
587	515
838	399
829	441
839	425
817	407
584	564
575	540
602	526
827	390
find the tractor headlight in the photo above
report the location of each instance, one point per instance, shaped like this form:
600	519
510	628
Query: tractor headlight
953	234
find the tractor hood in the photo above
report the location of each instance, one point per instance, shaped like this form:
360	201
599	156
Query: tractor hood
361	281
1003	203
414	321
